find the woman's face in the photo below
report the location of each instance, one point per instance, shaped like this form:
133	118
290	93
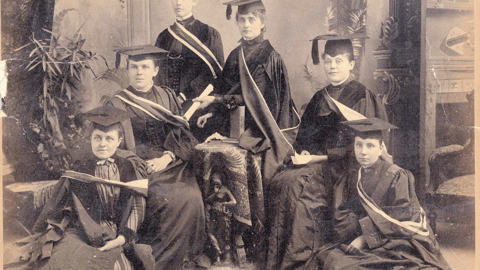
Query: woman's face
141	73
249	25
367	151
183	8
104	144
337	69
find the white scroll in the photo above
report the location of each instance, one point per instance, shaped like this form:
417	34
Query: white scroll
195	105
306	159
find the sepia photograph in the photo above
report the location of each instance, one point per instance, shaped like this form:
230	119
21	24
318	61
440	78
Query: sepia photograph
239	134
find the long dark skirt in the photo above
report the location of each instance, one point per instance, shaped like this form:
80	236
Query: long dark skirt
175	217
297	214
72	252
395	254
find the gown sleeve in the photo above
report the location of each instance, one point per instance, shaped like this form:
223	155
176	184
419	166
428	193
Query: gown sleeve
137	214
308	130
284	110
215	45
137	210
401	204
346	226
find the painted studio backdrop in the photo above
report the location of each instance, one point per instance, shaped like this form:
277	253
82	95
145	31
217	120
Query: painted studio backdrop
418	58
98	27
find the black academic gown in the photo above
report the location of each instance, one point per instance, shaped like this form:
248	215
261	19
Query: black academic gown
321	132
300	196
270	75
175	219
70	231
184	71
392	190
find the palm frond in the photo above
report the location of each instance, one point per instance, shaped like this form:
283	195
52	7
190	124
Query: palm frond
357	23
307	73
118	76
26	45
330	19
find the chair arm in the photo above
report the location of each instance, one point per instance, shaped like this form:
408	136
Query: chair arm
441	152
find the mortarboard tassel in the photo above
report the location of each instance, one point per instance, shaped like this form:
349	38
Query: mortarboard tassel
118	59
315	56
229	11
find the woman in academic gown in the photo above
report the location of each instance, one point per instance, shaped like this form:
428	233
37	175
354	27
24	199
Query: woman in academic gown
256	77
300	196
379	223
92	216
175	220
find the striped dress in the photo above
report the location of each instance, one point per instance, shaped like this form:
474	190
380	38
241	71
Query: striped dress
81	217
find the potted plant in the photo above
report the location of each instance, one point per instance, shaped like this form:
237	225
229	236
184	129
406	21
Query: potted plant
62	62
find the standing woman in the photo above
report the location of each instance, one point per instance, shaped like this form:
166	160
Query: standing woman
175	220
194	59
255	76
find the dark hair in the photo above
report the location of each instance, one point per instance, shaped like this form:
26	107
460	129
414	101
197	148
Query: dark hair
136	58
106	129
349	55
261	13
376	134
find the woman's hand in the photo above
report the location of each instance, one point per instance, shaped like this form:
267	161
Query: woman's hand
356	245
204	101
117	242
305	153
158	164
202	120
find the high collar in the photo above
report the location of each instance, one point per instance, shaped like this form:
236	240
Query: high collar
139	93
257	40
188	20
372	168
332	87
111	159
105	161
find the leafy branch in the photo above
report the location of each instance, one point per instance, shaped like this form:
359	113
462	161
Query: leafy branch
62	61
389	32
330	20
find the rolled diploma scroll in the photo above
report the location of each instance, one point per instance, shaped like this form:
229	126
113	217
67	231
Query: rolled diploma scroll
299	159
305	159
195	105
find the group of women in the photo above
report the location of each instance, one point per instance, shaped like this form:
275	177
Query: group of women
157	139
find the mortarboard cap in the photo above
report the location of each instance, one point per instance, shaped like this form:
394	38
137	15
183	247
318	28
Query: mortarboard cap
139	53
106	115
369	125
335	45
244	6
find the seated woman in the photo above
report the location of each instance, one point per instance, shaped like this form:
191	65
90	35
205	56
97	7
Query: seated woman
175	219
379	223
299	195
88	220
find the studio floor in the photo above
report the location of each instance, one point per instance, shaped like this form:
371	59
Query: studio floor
456	239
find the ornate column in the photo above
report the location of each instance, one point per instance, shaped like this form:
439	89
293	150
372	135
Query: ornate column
397	79
138	22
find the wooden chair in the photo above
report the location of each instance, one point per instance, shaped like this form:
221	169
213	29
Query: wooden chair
452	179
